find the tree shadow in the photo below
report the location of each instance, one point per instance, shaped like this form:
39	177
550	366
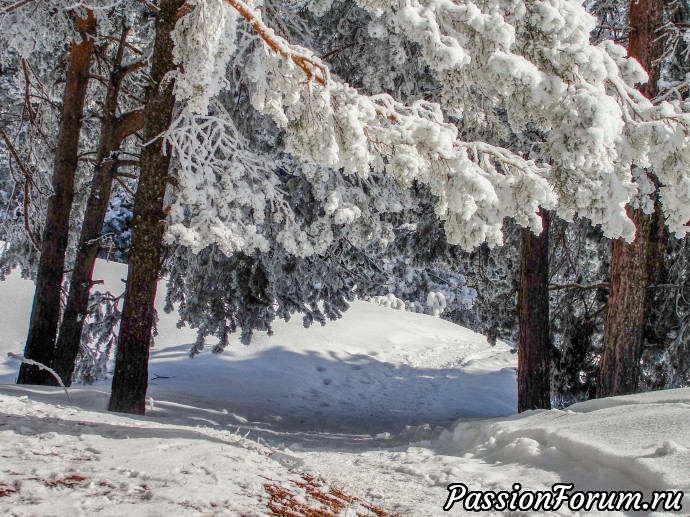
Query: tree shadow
304	400
353	399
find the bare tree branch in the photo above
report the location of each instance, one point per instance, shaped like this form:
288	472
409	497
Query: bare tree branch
29	181
556	287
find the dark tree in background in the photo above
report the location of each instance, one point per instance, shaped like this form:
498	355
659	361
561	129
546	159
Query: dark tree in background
534	345
130	379
634	264
45	313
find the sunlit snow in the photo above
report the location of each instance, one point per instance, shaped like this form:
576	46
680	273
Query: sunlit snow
389	406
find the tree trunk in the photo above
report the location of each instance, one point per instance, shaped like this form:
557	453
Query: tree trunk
131	368
46	306
114	129
534	346
633	265
622	343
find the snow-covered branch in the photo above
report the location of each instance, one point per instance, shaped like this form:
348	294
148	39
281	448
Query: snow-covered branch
312	67
529	64
41	366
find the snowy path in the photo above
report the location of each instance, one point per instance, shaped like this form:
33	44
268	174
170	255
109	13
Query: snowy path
641	444
106	461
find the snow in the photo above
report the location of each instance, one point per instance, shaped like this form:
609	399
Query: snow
389	406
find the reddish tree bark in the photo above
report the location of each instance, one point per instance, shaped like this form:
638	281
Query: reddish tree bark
620	360
633	265
114	129
534	346
45	313
130	380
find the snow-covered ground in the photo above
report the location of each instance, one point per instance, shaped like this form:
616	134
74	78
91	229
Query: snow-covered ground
387	406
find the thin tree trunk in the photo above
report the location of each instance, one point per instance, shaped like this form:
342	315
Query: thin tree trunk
633	265
114	129
534	346
131	367
45	313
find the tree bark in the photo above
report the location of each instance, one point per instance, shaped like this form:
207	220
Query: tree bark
45	313
534	346
130	380
633	265
622	344
114	129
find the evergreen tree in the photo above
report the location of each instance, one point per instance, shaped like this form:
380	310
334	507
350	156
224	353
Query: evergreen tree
329	124
534	344
131	367
45	313
635	266
116	126
37	145
283	161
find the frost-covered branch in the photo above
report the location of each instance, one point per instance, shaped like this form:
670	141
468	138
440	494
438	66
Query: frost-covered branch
41	366
534	62
312	67
330	124
527	66
14	6
224	190
28	182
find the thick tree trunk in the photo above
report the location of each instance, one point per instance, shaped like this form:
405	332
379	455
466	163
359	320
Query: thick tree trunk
534	346
633	265
622	345
114	130
131	368
45	313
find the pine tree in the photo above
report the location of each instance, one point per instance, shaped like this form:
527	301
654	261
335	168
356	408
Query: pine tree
634	264
115	127
130	379
591	125
45	313
534	343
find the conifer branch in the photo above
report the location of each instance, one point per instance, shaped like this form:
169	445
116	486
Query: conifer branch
129	123
557	287
11	8
312	67
29	181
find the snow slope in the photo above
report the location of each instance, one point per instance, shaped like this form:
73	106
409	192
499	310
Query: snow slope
375	370
59	460
388	405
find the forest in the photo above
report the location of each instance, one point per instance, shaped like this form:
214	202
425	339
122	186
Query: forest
517	168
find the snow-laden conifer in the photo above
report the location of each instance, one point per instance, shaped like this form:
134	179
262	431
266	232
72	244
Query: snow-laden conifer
532	62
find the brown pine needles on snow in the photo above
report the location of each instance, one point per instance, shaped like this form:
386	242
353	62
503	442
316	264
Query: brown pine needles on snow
312	498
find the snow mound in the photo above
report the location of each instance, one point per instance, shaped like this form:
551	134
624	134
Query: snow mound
625	445
647	441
